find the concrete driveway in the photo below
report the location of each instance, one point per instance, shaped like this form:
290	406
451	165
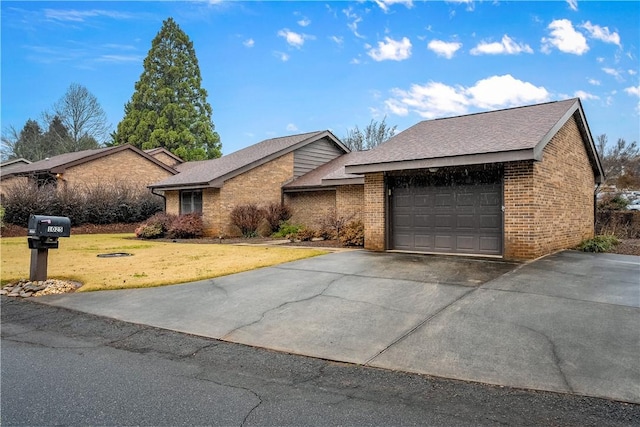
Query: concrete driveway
569	322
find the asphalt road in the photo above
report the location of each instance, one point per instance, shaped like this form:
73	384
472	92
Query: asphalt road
64	367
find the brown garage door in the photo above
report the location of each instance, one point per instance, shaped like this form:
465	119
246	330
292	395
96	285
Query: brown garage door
448	214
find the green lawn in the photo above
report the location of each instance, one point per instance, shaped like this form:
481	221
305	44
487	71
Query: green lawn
152	264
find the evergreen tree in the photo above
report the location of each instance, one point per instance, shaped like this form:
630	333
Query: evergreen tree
169	107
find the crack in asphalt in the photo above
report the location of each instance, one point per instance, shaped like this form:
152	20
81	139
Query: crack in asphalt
263	315
419	325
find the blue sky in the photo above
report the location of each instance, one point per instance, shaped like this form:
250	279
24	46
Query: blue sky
278	68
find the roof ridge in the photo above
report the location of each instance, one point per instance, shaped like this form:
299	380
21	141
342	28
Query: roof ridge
502	109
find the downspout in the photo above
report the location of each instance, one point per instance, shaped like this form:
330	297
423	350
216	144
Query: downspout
163	198
595	206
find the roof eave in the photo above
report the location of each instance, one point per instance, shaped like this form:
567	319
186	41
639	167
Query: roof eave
438	162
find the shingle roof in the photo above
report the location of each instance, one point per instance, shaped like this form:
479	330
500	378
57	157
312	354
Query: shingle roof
510	130
204	173
330	173
62	161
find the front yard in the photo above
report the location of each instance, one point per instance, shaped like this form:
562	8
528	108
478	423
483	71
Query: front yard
150	264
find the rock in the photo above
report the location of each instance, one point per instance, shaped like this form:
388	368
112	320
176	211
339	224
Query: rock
14	294
4	292
25	294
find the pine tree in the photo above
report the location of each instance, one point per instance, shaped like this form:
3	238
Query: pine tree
169	107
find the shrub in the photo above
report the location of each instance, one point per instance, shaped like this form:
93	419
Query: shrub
600	243
331	224
353	234
613	202
622	224
264	229
1	216
247	218
149	231
276	214
186	226
155	227
287	230
97	204
304	234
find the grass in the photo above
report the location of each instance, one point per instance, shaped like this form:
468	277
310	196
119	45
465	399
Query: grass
152	263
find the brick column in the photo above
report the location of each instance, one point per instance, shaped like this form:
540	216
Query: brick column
374	212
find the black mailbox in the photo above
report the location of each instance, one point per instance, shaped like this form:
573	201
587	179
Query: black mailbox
43	231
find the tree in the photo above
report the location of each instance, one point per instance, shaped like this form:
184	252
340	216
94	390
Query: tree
620	162
168	107
374	134
83	117
30	143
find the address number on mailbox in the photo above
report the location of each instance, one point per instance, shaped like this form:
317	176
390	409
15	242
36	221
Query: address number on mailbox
54	229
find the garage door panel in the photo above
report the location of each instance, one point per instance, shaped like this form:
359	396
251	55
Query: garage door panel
447	218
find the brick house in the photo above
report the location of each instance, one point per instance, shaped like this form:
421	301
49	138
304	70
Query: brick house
123	163
165	156
256	174
516	183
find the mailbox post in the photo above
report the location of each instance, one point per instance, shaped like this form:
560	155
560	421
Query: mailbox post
42	235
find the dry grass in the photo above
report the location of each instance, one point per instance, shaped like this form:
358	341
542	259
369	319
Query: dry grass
152	263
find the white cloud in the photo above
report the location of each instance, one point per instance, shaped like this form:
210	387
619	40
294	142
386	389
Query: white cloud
291	127
281	56
505	91
249	42
632	72
337	40
355	20
442	48
585	95
294	39
601	33
573	4
81	15
436	99
507	47
394	50
565	38
633	90
612	72
120	58
304	22
385	4
594	82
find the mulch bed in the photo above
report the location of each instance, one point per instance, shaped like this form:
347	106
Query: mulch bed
626	246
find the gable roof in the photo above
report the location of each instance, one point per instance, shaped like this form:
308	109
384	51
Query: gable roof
58	164
496	136
161	150
330	174
213	173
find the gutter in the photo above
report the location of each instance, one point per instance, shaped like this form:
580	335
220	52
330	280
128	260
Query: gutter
163	197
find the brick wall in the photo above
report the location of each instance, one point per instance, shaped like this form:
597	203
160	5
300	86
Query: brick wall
310	207
549	204
124	166
350	201
374	212
7	183
261	185
166	159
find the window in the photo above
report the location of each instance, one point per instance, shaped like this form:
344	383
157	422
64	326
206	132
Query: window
191	201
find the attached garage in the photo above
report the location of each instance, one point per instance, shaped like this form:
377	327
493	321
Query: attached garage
453	213
517	183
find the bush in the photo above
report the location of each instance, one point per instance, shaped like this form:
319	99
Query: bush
287	230
276	214
247	218
304	234
622	224
264	229
331	225
156	227
97	204
187	226
353	234
600	243
615	202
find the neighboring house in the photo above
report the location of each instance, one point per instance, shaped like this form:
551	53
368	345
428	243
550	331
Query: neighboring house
165	156
255	174
516	183
10	165
123	163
